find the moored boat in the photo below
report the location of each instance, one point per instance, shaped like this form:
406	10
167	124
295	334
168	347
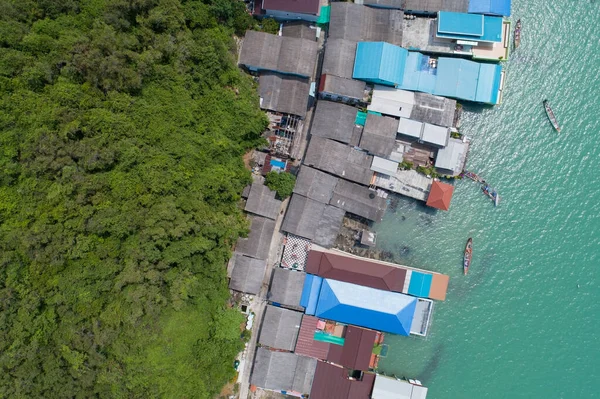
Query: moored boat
490	192
467	256
551	115
472	176
517	34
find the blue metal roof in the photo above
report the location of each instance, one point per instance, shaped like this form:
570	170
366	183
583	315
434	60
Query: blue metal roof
490	7
418	73
366	307
420	284
310	293
457	78
379	62
488	83
491	27
452	77
459	23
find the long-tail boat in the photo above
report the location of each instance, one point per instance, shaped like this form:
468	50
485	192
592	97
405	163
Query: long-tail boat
551	116
467	256
517	34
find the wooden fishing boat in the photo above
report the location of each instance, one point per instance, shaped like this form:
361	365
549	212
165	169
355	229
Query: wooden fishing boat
467	256
551	116
472	176
517	34
490	192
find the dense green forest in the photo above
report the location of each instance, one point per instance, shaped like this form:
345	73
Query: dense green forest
122	129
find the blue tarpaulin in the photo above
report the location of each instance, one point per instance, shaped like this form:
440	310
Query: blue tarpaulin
490	7
366	307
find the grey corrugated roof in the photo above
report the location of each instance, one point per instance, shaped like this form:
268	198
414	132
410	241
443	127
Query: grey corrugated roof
280	328
434	109
247	274
379	135
314	184
334	121
259	239
261	201
339	159
357	199
299	29
397	4
269	52
351	88
339	58
283	371
433	6
313	220
358	23
452	158
286	287
284	93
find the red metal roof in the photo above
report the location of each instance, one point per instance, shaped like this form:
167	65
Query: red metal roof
440	195
357	349
331	382
299	6
356	271
306	344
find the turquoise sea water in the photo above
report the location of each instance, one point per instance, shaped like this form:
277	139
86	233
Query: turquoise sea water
525	322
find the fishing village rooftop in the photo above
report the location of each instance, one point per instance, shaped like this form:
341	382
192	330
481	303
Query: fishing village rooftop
364	103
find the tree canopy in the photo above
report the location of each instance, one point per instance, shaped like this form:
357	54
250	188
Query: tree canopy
283	183
122	126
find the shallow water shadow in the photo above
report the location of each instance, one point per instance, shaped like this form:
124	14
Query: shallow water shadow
433	363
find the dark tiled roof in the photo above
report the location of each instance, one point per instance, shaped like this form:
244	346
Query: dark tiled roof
331	382
355	270
306	344
298	6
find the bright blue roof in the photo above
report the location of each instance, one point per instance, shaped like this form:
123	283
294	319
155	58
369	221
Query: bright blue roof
453	77
459	23
366	307
420	284
379	62
457	78
310	293
488	84
489	29
490	7
418	74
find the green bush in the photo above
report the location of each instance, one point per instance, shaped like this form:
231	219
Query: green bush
269	25
406	165
283	183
